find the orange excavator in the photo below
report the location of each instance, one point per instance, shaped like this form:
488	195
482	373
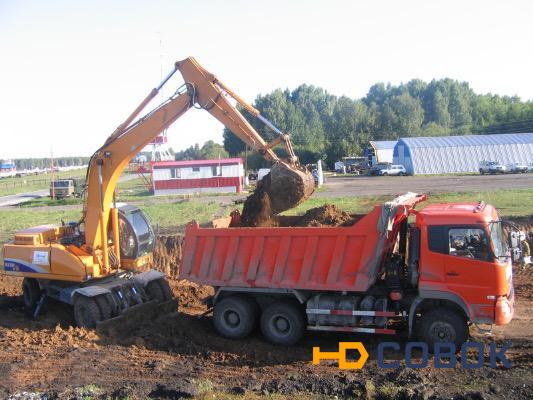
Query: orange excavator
93	264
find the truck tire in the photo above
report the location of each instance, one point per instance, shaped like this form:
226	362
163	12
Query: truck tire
86	312
443	325
31	293
159	290
283	323
234	317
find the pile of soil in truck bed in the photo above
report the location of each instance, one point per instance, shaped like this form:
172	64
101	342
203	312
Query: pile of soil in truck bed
326	215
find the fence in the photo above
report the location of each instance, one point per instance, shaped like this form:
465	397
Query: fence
21	183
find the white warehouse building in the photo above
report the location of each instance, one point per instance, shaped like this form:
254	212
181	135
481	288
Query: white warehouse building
456	154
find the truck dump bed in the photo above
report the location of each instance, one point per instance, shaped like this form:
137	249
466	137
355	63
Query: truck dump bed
308	258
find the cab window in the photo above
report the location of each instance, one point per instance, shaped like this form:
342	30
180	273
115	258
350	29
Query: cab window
468	243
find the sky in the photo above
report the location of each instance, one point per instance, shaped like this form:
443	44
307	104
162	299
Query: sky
72	71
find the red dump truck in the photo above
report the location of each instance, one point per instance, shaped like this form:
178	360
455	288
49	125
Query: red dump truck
428	272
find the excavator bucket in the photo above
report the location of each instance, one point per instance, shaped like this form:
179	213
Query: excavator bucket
134	317
289	187
282	189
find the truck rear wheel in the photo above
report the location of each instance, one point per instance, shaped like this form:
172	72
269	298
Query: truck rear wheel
234	317
86	312
443	325
283	323
31	293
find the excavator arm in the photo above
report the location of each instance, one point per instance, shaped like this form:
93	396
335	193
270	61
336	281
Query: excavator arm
202	90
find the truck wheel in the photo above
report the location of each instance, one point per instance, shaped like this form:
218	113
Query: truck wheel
235	316
283	323
481	172
31	292
86	312
443	325
159	290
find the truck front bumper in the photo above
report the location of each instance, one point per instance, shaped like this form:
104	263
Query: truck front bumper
504	309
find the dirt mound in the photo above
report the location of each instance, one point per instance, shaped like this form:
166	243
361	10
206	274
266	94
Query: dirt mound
167	254
190	294
326	215
523	281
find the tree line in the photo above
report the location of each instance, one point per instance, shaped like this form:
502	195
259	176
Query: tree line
209	151
43	163
329	127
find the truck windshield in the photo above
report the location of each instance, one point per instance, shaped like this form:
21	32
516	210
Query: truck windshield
498	239
61	183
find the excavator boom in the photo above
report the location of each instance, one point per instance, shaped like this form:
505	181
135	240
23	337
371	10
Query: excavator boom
93	264
289	183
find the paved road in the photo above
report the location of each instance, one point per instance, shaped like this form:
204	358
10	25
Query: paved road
383	185
22	197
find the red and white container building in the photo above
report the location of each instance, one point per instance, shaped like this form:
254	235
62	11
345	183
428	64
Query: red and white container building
198	176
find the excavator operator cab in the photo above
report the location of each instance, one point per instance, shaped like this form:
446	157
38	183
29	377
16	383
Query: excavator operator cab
137	237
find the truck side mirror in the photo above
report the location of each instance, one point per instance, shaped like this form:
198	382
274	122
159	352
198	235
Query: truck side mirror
516	238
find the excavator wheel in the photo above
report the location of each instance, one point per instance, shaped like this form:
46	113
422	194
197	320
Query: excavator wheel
159	290
31	292
86	312
105	306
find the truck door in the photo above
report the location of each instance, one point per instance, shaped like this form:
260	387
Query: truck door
469	266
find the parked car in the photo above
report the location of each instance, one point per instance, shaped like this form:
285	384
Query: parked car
492	167
394	169
517	168
374	170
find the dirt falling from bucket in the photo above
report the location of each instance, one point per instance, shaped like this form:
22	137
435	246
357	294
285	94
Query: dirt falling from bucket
168	254
257	211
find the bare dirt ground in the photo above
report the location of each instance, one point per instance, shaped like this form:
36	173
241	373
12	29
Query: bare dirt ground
391	185
180	355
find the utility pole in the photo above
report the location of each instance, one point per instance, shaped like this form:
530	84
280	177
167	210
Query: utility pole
52	176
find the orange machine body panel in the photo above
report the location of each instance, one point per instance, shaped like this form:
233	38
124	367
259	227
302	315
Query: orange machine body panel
36	253
306	258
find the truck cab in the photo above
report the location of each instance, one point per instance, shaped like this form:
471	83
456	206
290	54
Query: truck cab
464	261
65	188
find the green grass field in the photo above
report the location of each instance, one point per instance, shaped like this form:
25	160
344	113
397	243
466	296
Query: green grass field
163	215
166	213
510	202
10	186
